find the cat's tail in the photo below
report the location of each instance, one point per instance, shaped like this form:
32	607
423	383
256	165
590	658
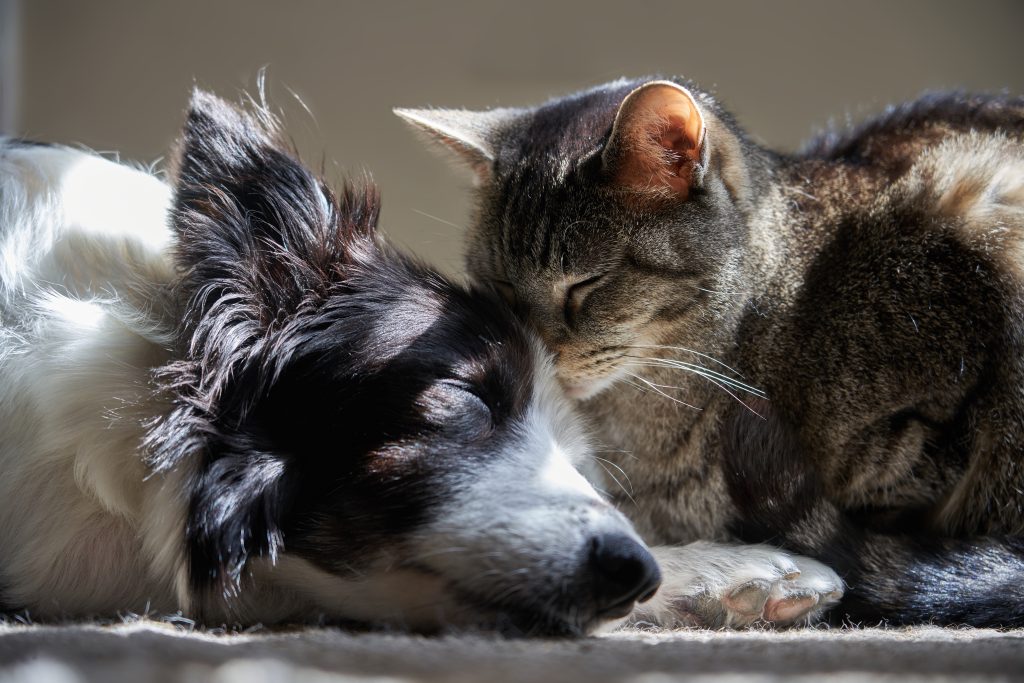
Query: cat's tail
901	579
896	576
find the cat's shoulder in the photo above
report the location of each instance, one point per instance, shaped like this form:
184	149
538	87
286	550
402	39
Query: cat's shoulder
905	129
945	169
943	161
973	182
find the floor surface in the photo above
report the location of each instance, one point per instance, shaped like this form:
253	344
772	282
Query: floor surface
150	651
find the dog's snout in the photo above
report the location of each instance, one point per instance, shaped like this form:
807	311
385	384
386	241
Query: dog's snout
624	572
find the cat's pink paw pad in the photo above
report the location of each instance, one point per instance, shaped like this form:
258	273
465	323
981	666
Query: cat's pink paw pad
713	585
749	599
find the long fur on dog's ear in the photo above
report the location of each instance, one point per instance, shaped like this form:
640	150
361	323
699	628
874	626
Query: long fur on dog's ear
253	221
260	237
261	242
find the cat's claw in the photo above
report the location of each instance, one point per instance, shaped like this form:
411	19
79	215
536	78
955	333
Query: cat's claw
713	585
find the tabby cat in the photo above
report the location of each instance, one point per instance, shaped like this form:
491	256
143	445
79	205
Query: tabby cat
822	351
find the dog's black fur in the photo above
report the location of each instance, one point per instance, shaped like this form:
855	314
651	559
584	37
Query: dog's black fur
303	333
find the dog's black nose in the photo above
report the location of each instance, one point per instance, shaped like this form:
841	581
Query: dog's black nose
623	572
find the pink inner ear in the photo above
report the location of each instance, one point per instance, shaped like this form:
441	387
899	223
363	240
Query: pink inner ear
677	139
683	147
657	137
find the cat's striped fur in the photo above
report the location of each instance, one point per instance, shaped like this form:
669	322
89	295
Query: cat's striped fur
822	350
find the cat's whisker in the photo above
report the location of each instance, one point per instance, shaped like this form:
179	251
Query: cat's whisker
657	390
683	348
439	220
603	462
800	192
720	385
699	370
641	389
621	451
621	471
667	386
735	384
628	494
716	291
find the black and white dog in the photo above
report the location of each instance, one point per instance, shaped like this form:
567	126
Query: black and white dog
228	396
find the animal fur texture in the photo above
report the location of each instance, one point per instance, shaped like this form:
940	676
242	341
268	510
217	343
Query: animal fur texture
227	395
822	351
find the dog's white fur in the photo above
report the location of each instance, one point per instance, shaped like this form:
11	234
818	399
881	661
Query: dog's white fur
86	313
82	239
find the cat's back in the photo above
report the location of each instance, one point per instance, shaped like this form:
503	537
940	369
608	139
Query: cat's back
954	165
910	303
948	162
897	137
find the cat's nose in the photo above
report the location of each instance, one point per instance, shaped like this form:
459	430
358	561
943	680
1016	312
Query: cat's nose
623	572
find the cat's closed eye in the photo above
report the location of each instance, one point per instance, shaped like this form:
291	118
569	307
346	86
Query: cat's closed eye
576	294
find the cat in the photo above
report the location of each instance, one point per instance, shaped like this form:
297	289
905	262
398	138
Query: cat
821	351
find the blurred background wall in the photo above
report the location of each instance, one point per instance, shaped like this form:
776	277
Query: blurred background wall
114	74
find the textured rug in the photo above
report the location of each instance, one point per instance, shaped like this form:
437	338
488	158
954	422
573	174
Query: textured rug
151	651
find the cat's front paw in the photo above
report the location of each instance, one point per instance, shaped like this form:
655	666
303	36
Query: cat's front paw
713	585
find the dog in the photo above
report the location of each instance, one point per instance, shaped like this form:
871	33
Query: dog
227	395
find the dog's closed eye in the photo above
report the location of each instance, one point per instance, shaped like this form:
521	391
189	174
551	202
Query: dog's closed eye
454	405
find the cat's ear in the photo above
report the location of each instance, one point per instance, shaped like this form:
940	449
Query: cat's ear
471	135
658	141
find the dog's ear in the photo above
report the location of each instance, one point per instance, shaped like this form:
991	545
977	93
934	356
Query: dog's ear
259	239
254	226
236	513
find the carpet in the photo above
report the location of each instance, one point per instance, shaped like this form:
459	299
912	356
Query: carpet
152	651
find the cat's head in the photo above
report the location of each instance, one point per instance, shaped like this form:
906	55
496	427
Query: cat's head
610	218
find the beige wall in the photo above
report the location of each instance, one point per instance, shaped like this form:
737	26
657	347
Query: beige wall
114	74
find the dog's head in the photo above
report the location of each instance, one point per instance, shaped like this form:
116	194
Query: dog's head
366	438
